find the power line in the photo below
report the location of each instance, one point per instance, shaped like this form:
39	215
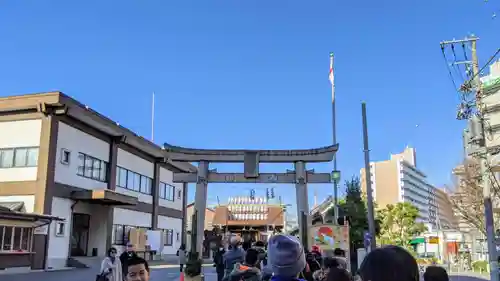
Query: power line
456	66
448	68
469	82
467	67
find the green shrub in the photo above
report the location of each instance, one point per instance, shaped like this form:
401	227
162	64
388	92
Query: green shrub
480	266
193	265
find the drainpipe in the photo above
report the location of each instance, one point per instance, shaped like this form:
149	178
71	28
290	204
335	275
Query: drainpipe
70	230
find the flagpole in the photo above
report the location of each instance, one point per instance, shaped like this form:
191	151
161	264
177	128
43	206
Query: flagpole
334	138
153	118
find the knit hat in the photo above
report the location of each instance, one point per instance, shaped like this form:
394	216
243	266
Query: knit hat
286	255
235	240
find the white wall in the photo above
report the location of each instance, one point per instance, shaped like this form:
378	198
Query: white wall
58	245
132	218
167	176
20	133
138	165
175	224
135	163
25	133
29	201
77	141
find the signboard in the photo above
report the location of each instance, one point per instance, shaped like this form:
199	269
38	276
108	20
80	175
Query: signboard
42	230
433	240
328	237
214	177
153	239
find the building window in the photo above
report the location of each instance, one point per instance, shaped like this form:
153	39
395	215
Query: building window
168	237
60	228
65	156
121	233
15	239
167	191
119	236
133	181
92	168
179	194
19	157
178	236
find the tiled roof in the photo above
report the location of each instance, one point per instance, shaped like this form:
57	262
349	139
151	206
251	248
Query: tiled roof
13	206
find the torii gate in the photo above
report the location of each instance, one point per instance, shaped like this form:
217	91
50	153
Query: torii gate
251	159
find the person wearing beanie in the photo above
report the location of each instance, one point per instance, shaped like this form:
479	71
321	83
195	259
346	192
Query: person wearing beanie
247	271
286	257
233	256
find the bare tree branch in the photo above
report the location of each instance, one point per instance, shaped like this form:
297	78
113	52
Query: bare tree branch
467	200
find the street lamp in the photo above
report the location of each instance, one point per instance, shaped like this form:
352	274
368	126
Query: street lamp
336	180
336	176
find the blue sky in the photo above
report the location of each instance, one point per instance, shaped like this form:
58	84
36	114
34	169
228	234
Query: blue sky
253	74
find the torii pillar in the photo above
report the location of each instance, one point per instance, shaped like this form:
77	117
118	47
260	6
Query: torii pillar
200	203
302	197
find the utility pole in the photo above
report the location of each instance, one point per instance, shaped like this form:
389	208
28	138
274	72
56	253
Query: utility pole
369	191
335	173
477	137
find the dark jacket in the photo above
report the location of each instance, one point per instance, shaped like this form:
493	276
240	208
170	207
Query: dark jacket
124	258
231	258
245	273
219	260
262	255
314	260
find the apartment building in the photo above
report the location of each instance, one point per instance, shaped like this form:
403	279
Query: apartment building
58	157
398	180
445	214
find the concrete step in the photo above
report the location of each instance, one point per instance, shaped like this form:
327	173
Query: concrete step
85	262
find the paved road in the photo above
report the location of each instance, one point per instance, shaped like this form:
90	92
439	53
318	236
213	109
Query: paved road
468	278
157	274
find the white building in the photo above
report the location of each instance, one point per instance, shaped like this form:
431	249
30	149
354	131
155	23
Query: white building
399	180
61	158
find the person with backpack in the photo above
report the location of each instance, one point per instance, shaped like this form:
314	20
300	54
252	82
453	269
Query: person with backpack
248	270
233	256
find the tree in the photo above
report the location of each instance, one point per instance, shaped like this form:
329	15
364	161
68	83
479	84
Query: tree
467	200
398	224
353	206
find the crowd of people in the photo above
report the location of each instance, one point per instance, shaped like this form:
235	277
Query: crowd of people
283	258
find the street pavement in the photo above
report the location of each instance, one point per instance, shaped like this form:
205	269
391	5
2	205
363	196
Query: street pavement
158	273
468	277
